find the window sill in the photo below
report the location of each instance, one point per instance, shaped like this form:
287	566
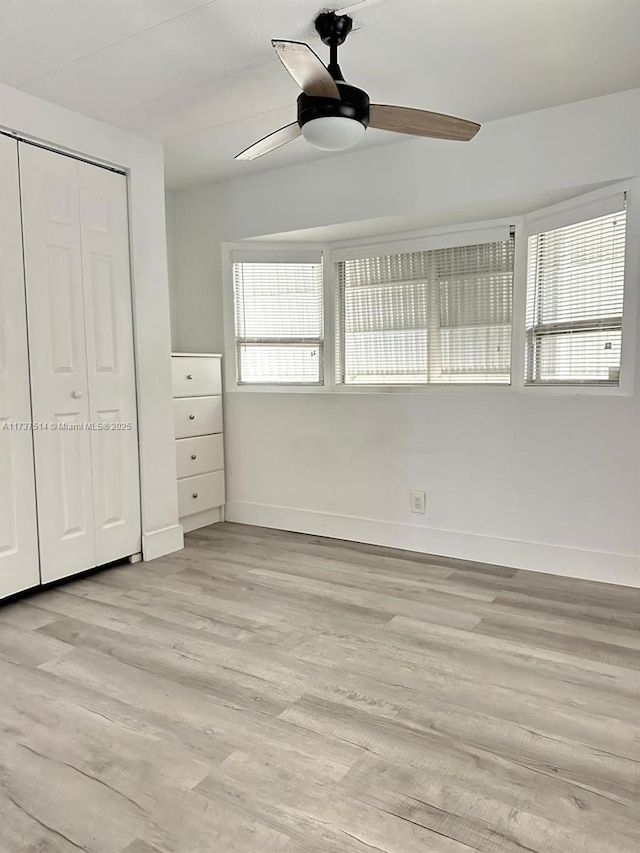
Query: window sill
440	390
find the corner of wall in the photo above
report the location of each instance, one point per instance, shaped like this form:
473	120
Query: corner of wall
169	201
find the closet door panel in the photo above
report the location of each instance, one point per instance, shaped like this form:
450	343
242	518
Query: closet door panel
110	361
18	531
60	401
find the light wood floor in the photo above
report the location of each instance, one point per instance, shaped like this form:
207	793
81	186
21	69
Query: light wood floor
264	691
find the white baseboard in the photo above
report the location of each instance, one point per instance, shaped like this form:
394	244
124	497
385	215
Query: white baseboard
160	542
620	569
202	519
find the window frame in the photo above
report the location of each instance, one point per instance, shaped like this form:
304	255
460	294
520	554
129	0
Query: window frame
447	240
539	331
442	237
276	254
581	209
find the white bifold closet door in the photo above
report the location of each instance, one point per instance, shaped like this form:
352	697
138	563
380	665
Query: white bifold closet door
76	256
18	533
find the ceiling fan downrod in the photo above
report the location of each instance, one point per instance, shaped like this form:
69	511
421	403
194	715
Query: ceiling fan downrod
334	123
333	30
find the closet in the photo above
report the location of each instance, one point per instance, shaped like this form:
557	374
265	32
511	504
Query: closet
69	486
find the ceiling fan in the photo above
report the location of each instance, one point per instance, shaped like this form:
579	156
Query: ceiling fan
332	114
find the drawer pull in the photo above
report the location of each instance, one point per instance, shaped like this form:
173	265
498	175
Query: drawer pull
192	417
194	495
189	375
194	456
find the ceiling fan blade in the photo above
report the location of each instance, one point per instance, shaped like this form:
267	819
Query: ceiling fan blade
421	123
306	68
269	143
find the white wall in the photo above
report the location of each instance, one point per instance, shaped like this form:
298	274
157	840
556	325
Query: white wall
64	130
556	485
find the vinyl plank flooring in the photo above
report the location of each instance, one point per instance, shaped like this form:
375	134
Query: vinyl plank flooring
24	828
570	591
576	644
28	647
306	809
467	793
272	692
25	615
588	614
450	667
626	638
486	824
139	846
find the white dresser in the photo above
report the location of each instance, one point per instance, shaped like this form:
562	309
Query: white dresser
197	412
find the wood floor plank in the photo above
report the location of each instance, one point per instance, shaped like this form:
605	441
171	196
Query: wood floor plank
485	824
306	809
24	828
273	692
394	739
552	588
589	614
576	646
447	613
139	846
28	647
448	666
514	620
24	615
86	682
74	806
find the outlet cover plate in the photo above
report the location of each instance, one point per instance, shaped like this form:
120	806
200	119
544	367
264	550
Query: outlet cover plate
418	502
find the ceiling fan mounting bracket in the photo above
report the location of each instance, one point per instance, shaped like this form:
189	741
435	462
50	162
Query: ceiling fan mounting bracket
332	28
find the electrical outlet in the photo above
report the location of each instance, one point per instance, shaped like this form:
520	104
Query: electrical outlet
418	502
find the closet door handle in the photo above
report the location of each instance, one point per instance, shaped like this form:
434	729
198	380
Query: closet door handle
194	495
189	375
192	417
76	394
194	456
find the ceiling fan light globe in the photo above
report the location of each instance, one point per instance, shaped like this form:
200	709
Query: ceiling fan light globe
333	133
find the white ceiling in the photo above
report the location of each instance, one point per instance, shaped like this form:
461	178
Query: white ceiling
201	75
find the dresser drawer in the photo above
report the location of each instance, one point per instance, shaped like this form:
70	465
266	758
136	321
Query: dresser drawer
197	416
199	455
195	377
195	494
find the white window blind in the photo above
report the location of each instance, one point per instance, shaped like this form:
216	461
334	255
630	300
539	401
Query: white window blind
439	316
575	288
278	311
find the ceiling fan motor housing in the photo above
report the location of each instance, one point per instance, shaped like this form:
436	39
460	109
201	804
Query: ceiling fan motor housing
353	104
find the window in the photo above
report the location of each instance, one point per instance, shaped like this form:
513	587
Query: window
575	285
439	316
437	308
278	322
